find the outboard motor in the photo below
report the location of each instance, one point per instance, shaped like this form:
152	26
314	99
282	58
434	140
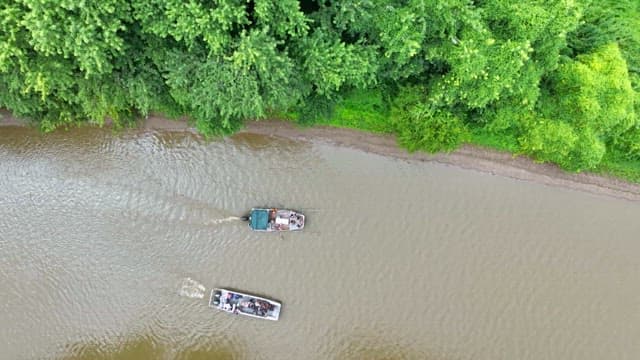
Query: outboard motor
216	298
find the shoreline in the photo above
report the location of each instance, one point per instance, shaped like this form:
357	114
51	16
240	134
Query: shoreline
471	157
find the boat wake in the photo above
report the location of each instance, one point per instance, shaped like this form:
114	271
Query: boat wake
192	289
221	221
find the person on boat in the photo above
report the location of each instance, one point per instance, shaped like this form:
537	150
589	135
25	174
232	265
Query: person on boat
259	310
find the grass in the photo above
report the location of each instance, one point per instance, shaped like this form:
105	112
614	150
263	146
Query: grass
360	109
502	143
621	168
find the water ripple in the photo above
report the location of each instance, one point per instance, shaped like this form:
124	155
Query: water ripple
98	232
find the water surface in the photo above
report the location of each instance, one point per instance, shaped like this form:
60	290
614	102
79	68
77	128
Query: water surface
399	260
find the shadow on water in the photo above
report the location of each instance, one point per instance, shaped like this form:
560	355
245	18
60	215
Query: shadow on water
368	347
142	348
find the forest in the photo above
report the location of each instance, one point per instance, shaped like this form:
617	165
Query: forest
556	80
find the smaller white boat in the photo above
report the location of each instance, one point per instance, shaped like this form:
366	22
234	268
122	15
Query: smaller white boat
235	302
272	219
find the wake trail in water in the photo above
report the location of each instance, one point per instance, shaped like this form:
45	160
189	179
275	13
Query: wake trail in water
191	289
225	220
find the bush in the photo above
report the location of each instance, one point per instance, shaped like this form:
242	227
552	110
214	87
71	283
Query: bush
628	144
548	140
423	128
315	109
587	152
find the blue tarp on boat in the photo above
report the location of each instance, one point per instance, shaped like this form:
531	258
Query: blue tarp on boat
259	219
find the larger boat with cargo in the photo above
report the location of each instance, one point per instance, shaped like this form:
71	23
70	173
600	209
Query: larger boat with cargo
272	219
235	302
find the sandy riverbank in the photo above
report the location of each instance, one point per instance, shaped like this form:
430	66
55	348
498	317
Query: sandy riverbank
468	156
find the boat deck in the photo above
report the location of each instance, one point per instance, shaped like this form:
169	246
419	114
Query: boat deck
276	220
244	304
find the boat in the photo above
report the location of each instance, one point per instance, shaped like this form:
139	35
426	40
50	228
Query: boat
235	302
272	219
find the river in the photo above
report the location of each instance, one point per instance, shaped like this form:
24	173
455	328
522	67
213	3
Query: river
106	240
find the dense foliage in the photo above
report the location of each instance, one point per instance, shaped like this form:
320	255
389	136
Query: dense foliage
555	79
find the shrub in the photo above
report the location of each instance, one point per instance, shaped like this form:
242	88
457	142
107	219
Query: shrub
423	128
549	140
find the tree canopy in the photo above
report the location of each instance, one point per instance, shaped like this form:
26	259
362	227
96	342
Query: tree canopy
558	80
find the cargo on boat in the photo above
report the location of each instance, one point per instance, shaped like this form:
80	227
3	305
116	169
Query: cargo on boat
264	219
235	302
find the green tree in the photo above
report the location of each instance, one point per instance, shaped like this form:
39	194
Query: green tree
593	92
609	21
330	65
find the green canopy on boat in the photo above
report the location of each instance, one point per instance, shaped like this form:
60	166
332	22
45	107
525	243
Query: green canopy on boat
259	219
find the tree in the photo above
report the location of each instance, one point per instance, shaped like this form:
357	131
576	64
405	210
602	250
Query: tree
609	21
593	92
329	64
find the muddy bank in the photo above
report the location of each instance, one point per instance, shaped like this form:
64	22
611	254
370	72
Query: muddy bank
468	156
6	119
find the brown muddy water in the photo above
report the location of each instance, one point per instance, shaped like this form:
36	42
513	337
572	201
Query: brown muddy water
107	239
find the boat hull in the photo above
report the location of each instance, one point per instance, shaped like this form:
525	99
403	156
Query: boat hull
275	220
235	302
